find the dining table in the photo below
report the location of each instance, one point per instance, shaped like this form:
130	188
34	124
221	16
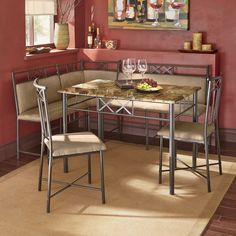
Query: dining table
103	93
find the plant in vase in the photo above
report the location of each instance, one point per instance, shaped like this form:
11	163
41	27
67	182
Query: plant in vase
61	31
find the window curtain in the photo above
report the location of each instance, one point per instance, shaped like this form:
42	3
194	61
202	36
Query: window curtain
40	7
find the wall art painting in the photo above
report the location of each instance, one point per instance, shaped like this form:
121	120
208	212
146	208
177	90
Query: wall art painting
148	14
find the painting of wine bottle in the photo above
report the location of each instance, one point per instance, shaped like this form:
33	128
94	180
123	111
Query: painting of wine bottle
148	14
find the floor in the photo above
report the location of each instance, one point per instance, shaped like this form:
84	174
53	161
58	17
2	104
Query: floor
223	221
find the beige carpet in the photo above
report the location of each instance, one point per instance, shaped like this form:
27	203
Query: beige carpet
136	203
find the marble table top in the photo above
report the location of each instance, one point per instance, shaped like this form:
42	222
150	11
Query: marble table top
108	89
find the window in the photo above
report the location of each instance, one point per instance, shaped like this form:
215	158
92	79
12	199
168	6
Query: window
39	29
39	21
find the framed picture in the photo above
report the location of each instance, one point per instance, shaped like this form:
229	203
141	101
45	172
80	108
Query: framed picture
148	14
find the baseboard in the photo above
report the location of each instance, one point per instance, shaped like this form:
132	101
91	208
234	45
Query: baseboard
228	135
132	132
9	150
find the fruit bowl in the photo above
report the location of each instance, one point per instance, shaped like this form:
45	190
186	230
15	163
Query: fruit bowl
148	85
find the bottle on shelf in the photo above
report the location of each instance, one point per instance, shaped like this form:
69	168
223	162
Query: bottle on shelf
141	11
90	38
119	10
97	40
130	10
93	30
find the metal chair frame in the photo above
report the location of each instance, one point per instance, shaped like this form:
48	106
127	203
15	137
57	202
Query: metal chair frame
211	118
47	135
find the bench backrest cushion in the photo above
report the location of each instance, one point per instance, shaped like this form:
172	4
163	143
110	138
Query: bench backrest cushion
26	96
99	74
53	85
71	78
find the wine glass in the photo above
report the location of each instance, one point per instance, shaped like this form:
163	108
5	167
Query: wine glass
142	66
126	69
176	5
132	66
156	5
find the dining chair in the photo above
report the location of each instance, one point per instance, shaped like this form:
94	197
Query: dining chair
199	133
65	146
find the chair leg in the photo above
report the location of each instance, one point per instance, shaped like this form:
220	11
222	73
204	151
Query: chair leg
78	119
102	177
146	131
218	149
65	165
41	166
18	139
207	166
160	122
89	169
88	121
195	155
61	125
160	160
120	121
49	183
175	151
85	127
102	126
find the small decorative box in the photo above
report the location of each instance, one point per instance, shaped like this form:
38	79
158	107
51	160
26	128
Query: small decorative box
111	44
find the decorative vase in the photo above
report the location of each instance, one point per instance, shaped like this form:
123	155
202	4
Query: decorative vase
61	36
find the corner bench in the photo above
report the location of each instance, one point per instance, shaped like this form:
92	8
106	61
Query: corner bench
60	76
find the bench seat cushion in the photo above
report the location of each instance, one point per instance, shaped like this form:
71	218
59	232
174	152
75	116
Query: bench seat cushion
54	109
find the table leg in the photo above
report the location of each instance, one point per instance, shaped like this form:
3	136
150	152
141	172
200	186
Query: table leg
99	119
171	148
64	115
195	119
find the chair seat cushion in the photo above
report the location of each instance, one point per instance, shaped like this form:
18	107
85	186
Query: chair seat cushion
75	143
187	131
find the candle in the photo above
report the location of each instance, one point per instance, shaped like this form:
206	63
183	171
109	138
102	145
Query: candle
206	47
197	41
187	45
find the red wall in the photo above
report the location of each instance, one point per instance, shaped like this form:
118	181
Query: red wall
12	53
213	17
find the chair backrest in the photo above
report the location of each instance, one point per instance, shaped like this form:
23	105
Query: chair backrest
213	101
43	112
